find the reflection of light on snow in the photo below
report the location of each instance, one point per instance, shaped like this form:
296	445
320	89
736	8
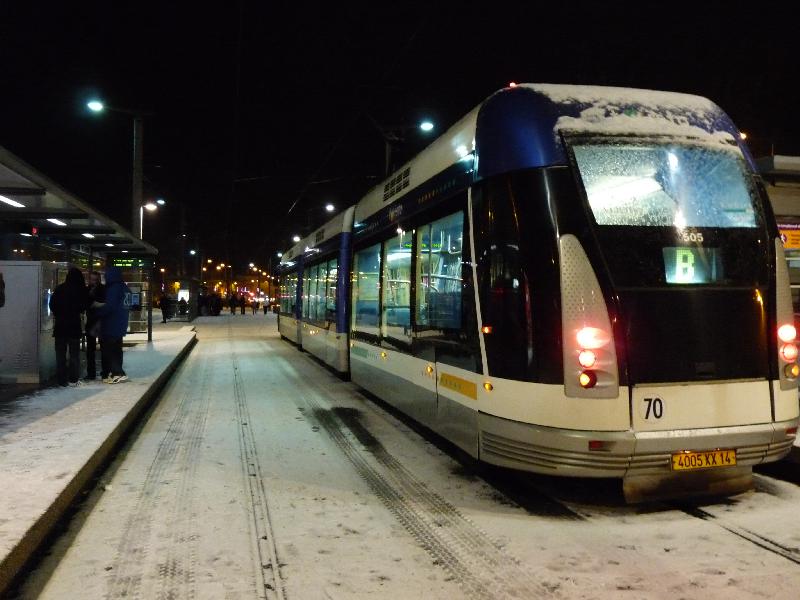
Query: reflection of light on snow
614	191
673	161
680	220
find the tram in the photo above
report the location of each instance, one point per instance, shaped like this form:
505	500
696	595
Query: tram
572	280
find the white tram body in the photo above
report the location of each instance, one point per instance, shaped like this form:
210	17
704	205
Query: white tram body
571	280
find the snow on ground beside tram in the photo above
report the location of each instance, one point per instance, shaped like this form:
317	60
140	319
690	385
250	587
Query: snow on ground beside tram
362	506
46	437
609	111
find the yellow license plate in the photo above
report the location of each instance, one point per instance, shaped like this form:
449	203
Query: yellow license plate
713	459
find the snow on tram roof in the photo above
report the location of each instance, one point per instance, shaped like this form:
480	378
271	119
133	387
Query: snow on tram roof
637	111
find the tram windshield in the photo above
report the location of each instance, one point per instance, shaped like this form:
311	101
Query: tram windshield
665	184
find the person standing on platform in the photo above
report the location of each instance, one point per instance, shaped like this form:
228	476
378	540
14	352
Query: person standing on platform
97	293
242	303
68	301
254	305
113	326
165	303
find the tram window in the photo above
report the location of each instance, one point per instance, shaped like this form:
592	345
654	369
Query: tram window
321	294
366	287
330	294
284	294
504	287
396	301
309	289
665	185
439	282
292	293
318	290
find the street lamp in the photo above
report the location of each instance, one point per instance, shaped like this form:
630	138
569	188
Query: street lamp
396	135
97	107
330	207
295	238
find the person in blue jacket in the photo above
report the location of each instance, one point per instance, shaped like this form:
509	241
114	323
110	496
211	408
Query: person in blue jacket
113	326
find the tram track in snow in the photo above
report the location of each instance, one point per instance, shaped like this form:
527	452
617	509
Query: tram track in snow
270	578
479	564
790	553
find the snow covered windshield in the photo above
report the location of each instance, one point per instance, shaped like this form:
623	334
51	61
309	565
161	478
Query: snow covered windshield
656	184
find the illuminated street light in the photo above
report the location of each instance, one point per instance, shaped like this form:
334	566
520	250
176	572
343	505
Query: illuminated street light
330	207
192	252
280	254
252	265
97	107
151	206
295	238
426	126
160	201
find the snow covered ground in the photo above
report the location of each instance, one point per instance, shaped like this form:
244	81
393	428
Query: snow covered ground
262	475
47	437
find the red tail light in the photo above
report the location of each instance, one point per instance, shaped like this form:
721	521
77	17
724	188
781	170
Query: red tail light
789	352
587	359
587	379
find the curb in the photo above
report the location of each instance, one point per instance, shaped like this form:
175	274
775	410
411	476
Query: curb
19	556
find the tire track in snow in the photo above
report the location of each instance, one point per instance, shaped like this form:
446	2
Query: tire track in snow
269	577
478	563
174	457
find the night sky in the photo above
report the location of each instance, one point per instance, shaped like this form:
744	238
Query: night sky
262	105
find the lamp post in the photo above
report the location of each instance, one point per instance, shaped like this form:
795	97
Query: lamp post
396	135
96	106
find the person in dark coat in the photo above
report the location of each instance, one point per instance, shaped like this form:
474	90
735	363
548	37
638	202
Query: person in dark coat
113	326
242	303
68	301
97	293
166	307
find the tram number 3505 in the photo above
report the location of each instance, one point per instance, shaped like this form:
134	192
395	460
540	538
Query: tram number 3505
654	408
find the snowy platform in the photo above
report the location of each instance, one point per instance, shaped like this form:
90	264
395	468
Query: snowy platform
53	440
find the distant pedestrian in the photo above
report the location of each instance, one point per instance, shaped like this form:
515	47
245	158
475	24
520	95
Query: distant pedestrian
97	294
254	305
68	301
165	303
113	326
242	303
233	302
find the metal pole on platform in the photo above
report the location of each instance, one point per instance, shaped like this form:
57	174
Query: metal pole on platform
136	187
149	304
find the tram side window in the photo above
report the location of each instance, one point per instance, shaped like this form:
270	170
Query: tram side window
439	281
319	300
285	298
330	294
396	301
292	293
366	287
308	279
